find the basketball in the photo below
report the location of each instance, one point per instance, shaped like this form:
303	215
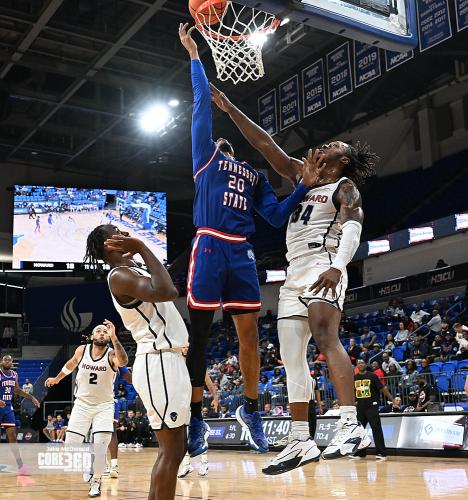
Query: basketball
211	14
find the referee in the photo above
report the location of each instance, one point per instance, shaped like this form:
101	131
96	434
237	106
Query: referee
368	388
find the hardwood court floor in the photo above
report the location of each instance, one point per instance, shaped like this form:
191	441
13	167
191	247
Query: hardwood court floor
237	475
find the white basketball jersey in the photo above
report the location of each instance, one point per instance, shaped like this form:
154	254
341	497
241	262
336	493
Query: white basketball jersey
154	326
316	223
94	382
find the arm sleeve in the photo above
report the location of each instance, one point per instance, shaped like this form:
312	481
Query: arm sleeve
267	205
203	145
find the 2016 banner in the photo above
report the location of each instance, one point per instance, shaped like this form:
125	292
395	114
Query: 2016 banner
433	23
313	88
394	59
366	63
289	102
339	73
461	11
267	112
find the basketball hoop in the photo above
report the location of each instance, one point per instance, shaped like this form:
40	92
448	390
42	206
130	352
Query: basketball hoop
235	34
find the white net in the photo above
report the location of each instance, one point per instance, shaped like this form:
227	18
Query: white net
235	34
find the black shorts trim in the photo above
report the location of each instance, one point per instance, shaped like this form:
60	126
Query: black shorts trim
77	433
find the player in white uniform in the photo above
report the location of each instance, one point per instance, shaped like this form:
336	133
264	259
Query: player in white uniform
160	376
94	394
323	236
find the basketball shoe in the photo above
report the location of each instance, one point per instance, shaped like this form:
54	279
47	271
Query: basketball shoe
185	470
197	437
349	438
252	425
295	454
203	470
24	470
114	472
94	488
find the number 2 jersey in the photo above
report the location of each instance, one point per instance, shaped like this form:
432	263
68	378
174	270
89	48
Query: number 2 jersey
316	223
7	387
94	382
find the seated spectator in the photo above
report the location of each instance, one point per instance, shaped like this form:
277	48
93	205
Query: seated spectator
428	397
395	407
231	359
49	430
393	311
368	337
317	371
387	360
434	324
59	430
461	336
353	350
364	354
278	377
224	412
375	367
389	343
334	411
418	314
393	379
376	354
267	411
436	347
271	359
426	370
122	430
264	385
143	430
402	334
445	329
28	387
449	347
410	379
417	350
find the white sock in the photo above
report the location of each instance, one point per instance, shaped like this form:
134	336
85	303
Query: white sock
348	414
300	430
114	462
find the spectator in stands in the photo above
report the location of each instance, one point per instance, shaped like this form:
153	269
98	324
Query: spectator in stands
387	361
267	411
428	396
353	351
417	350
231	359
449	346
410	379
436	347
426	371
393	311
238	389
364	354
224	412
143	430
334	411
122	430
389	343
434	324
375	367
395	407
394	379
445	328
28	387
264	385
412	402
317	371
48	430
418	314
278	377
8	334
271	359
376	354
461	336
59	430
402	334
368	337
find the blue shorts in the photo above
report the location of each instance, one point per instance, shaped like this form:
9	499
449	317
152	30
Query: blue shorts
7	417
222	272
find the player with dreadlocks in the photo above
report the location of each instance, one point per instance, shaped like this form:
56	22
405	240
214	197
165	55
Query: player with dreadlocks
322	237
144	300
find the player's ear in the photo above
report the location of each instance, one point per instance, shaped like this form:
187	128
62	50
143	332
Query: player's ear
344	160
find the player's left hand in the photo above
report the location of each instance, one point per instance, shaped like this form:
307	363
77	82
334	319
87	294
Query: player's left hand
126	244
220	99
327	281
110	329
312	167
35	402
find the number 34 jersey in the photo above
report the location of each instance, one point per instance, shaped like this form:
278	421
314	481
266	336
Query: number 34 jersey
94	382
316	223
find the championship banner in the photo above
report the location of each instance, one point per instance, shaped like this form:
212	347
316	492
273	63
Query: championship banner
366	63
339	73
461	12
267	112
395	59
289	102
433	23
313	88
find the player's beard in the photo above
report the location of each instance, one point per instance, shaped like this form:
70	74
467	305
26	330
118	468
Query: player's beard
100	343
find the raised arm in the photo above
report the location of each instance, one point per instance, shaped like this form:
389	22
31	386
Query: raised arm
127	285
68	367
284	164
118	356
203	145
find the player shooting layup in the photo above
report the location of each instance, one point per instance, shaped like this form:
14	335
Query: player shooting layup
222	268
323	235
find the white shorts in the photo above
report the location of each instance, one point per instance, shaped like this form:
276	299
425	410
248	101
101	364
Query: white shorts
83	416
163	383
301	274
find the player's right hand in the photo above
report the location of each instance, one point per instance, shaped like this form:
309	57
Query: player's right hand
186	38
312	167
50	382
220	99
2	404
126	244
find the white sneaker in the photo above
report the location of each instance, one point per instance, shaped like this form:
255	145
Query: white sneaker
185	471
138	445
348	439
87	477
130	445
106	473
94	488
381	458
114	472
122	445
203	470
296	454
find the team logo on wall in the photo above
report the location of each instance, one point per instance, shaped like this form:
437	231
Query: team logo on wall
72	321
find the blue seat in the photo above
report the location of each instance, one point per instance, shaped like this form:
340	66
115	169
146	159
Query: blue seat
443	382
399	353
458	381
463	365
435	368
449	366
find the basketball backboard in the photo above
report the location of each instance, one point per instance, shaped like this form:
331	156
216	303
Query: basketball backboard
390	24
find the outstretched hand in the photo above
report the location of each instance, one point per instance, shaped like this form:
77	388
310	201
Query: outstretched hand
312	167
220	99
127	245
186	39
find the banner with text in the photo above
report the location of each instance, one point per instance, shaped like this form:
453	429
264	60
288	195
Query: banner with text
339	73
366	63
394	59
313	88
433	23
461	11
267	112
289	102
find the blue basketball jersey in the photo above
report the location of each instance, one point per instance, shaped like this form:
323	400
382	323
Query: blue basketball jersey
7	386
227	191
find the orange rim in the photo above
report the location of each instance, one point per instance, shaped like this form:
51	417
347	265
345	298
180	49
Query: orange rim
200	26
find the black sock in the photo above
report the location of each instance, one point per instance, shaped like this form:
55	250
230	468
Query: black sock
196	409
251	405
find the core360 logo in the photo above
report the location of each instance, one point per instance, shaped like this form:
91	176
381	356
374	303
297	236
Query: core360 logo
71	320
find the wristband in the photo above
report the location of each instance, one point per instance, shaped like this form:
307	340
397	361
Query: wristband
65	370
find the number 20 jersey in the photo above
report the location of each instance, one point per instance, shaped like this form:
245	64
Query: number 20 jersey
316	223
94	382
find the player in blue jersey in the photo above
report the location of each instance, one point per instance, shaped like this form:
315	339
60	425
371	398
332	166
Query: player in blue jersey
9	386
222	269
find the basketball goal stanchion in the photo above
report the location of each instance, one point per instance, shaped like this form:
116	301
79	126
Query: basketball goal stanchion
235	34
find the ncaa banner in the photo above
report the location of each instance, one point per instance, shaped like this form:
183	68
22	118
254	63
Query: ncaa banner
267	112
366	63
339	73
461	12
289	102
313	88
394	59
433	23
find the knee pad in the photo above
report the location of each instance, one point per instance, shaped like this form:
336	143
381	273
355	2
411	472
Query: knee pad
294	336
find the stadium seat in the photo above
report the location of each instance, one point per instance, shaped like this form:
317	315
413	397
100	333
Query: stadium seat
458	381
399	353
435	368
463	365
449	366
443	382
